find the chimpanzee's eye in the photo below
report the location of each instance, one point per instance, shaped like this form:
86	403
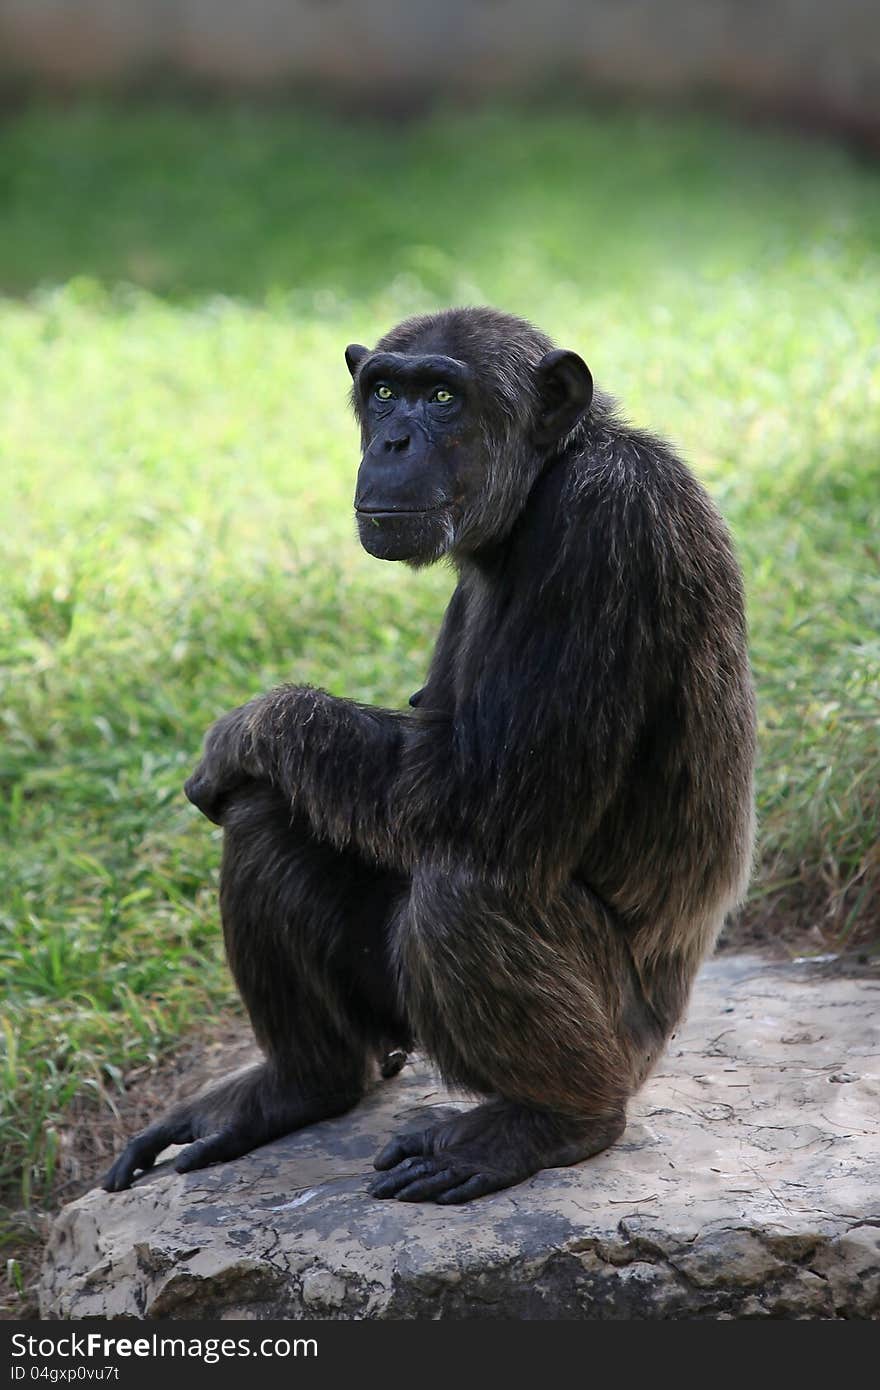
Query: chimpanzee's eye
442	395
383	392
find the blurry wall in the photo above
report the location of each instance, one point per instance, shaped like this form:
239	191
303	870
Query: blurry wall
812	58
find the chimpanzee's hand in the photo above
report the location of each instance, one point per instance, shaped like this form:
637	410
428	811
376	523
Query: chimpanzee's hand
228	761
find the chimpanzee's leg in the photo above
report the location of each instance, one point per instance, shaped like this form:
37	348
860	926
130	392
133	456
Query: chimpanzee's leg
536	1005
306	932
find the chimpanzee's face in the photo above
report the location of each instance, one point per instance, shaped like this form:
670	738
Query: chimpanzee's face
423	451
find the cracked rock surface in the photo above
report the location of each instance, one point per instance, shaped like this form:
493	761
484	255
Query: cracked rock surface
747	1184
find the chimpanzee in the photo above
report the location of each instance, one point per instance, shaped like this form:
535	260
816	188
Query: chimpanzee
522	872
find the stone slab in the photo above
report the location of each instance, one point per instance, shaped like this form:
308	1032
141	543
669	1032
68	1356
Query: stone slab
747	1184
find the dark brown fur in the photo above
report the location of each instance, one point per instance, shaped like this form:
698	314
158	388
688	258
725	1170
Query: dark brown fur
524	871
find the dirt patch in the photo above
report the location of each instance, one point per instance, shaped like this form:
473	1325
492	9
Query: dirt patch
93	1137
813	914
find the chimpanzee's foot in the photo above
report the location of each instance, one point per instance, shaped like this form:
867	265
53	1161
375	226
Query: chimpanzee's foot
494	1146
230	1120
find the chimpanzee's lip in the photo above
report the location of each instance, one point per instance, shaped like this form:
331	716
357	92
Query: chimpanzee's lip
401	511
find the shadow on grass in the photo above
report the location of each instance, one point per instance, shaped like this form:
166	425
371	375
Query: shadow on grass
187	202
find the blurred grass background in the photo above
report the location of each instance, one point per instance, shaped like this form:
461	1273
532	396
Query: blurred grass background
177	463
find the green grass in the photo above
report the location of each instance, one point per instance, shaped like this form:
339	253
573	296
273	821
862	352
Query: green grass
177	461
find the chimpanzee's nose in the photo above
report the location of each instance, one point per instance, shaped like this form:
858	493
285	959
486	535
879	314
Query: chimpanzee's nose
396	444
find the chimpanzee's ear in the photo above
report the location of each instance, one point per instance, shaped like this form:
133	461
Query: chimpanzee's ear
354	356
565	385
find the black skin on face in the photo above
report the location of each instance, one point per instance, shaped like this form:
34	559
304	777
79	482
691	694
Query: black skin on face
425	448
422	449
522	870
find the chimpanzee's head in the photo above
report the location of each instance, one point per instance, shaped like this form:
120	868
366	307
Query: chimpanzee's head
458	412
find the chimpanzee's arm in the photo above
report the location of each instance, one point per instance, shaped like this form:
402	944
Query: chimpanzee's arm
514	778
336	760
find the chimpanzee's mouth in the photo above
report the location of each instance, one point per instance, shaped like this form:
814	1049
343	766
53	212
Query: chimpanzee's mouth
403	533
401	511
